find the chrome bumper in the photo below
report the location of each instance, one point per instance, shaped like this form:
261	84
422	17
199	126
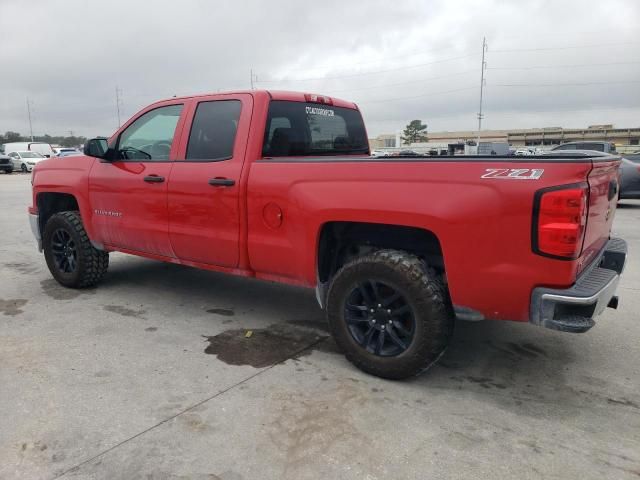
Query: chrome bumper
573	309
35	229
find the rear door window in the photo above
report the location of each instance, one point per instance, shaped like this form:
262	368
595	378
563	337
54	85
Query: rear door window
213	131
308	129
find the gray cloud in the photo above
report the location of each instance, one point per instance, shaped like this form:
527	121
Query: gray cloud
398	60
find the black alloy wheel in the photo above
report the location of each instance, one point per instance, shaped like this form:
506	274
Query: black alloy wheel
65	253
380	318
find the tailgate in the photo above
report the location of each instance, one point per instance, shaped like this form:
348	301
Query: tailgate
603	196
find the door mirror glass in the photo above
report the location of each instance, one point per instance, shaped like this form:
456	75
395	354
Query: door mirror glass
96	147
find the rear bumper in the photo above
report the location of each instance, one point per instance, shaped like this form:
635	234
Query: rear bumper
573	309
35	229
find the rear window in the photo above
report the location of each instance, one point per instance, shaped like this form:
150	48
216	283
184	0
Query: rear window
298	129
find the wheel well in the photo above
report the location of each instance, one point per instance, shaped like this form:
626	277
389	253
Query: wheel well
342	241
51	203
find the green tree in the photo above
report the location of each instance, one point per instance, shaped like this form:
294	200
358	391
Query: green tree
10	137
414	132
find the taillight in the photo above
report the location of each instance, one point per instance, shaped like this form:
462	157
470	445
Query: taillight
560	221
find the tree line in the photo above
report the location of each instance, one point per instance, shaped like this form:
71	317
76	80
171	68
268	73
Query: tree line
64	141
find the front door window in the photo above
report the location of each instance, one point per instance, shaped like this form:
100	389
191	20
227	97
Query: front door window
149	137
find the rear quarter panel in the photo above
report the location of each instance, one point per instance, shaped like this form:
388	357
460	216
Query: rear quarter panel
483	225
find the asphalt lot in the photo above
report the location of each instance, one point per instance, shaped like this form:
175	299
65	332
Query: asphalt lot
150	376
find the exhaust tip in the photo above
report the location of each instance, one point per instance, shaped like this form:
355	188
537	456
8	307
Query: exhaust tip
613	303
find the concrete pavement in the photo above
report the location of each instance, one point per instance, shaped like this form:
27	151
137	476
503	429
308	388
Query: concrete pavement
150	376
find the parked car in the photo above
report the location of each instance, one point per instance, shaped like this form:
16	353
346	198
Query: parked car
6	165
42	148
606	147
397	250
523	152
630	177
69	153
25	161
408	153
58	151
380	153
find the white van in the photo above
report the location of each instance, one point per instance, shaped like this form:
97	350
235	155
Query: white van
38	147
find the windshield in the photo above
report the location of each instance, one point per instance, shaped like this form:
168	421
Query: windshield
299	129
30	155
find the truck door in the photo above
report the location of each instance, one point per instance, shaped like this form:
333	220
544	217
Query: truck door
129	195
204	187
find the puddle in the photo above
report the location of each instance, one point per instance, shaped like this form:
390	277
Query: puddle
265	346
124	311
12	307
225	312
320	325
56	291
22	267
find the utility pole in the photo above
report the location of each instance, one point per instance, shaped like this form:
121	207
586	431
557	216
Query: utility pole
482	68
118	93
251	72
29	114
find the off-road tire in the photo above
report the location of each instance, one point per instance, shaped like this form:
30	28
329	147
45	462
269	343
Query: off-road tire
425	294
91	264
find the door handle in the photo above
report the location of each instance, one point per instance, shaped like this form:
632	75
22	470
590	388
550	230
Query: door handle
222	182
154	179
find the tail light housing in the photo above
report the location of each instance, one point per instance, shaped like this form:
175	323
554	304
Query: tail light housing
313	98
560	221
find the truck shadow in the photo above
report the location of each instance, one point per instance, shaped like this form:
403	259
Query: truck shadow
522	368
516	366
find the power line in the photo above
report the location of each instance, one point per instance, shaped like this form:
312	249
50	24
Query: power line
369	73
431	94
595	45
387	85
351	64
532	67
561	84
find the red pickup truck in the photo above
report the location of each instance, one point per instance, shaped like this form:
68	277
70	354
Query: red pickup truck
280	186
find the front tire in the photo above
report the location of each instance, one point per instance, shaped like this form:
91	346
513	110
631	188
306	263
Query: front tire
71	258
24	168
390	314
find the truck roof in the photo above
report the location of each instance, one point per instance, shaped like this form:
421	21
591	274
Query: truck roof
273	94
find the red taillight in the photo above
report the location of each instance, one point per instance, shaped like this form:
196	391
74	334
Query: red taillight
560	220
313	98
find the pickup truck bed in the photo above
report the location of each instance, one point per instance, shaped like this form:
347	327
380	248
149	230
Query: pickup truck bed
280	186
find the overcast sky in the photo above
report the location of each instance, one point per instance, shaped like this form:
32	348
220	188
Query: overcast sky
549	63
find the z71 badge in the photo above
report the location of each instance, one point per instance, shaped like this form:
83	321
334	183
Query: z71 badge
514	173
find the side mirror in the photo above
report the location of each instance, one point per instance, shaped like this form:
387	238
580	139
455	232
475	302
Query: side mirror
96	147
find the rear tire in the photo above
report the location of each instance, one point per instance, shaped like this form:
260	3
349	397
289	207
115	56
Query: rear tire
71	258
390	314
24	168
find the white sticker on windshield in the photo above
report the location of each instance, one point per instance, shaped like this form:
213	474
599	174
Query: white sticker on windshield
325	112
